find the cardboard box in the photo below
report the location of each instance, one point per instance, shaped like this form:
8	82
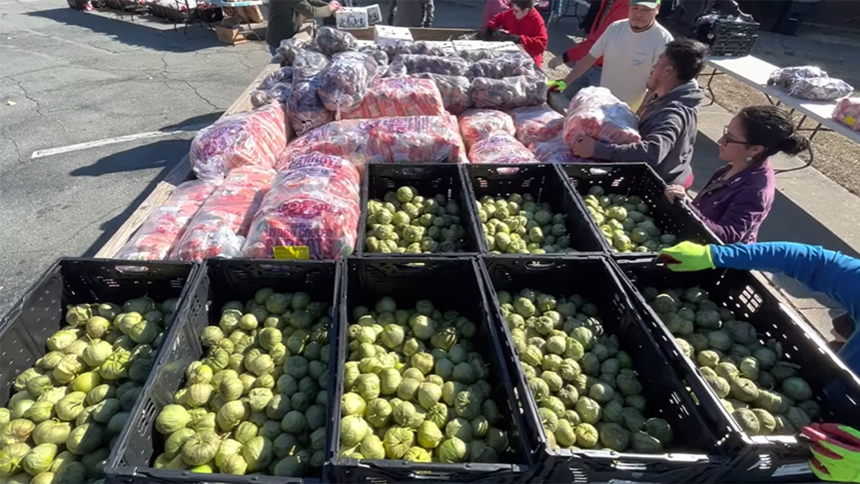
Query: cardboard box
351	18
386	34
229	35
374	14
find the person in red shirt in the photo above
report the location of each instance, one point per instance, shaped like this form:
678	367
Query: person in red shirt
610	11
522	24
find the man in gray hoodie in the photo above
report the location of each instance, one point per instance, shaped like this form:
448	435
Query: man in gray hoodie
668	119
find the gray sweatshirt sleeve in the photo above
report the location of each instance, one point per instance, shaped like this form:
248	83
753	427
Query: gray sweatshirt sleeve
654	146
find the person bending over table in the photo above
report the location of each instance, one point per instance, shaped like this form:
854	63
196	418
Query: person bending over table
285	18
669	120
522	24
738	197
836	448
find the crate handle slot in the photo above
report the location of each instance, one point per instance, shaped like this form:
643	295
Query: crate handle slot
414	171
136	269
534	265
598	171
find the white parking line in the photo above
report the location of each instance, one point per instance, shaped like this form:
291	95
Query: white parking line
105	142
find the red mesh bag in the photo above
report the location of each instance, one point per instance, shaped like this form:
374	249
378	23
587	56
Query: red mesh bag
410	139
537	123
500	148
454	90
399	96
254	138
554	151
314	203
595	112
219	227
165	226
477	124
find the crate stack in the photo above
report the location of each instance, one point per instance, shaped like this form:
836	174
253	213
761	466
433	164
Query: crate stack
457	295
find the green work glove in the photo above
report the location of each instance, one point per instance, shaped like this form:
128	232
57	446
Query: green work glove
557	86
835	452
687	257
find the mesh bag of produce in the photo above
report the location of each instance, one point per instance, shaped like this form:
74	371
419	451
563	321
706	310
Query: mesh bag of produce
847	112
279	93
219	227
165	226
500	148
510	92
785	76
475	55
253	138
344	81
477	124
282	75
406	47
407	64
307	65
595	112
399	96
314	203
331	41
819	89
454	90
554	151
288	49
378	55
508	65
537	123
410	139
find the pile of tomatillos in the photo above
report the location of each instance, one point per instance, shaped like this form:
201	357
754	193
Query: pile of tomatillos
416	389
585	387
519	225
256	403
625	223
760	389
407	222
66	412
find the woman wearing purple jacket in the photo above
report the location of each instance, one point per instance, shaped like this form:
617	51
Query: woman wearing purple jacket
738	197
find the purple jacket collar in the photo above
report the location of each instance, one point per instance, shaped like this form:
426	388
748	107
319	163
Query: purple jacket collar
735	208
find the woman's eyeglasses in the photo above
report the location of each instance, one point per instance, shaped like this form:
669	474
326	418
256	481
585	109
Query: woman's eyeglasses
727	138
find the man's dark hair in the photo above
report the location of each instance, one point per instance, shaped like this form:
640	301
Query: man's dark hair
523	4
687	57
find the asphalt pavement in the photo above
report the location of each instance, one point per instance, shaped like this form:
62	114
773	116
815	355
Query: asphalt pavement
73	82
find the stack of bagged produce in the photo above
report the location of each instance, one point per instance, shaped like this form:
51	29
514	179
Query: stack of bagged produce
585	385
595	112
750	375
257	402
415	389
67	411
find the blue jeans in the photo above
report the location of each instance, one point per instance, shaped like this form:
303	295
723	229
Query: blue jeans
590	78
273	50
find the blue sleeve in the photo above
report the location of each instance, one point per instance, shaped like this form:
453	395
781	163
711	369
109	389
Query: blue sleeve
827	271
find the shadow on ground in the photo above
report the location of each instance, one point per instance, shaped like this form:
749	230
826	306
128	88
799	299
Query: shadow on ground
165	153
142	32
787	221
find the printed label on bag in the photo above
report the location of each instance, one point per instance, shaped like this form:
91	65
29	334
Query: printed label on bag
299	252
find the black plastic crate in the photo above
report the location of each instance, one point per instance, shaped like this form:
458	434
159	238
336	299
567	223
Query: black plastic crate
727	37
694	457
429	179
545	184
218	281
40	313
452	283
772	459
641	180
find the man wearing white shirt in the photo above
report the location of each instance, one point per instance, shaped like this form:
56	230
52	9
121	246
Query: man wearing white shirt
630	49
